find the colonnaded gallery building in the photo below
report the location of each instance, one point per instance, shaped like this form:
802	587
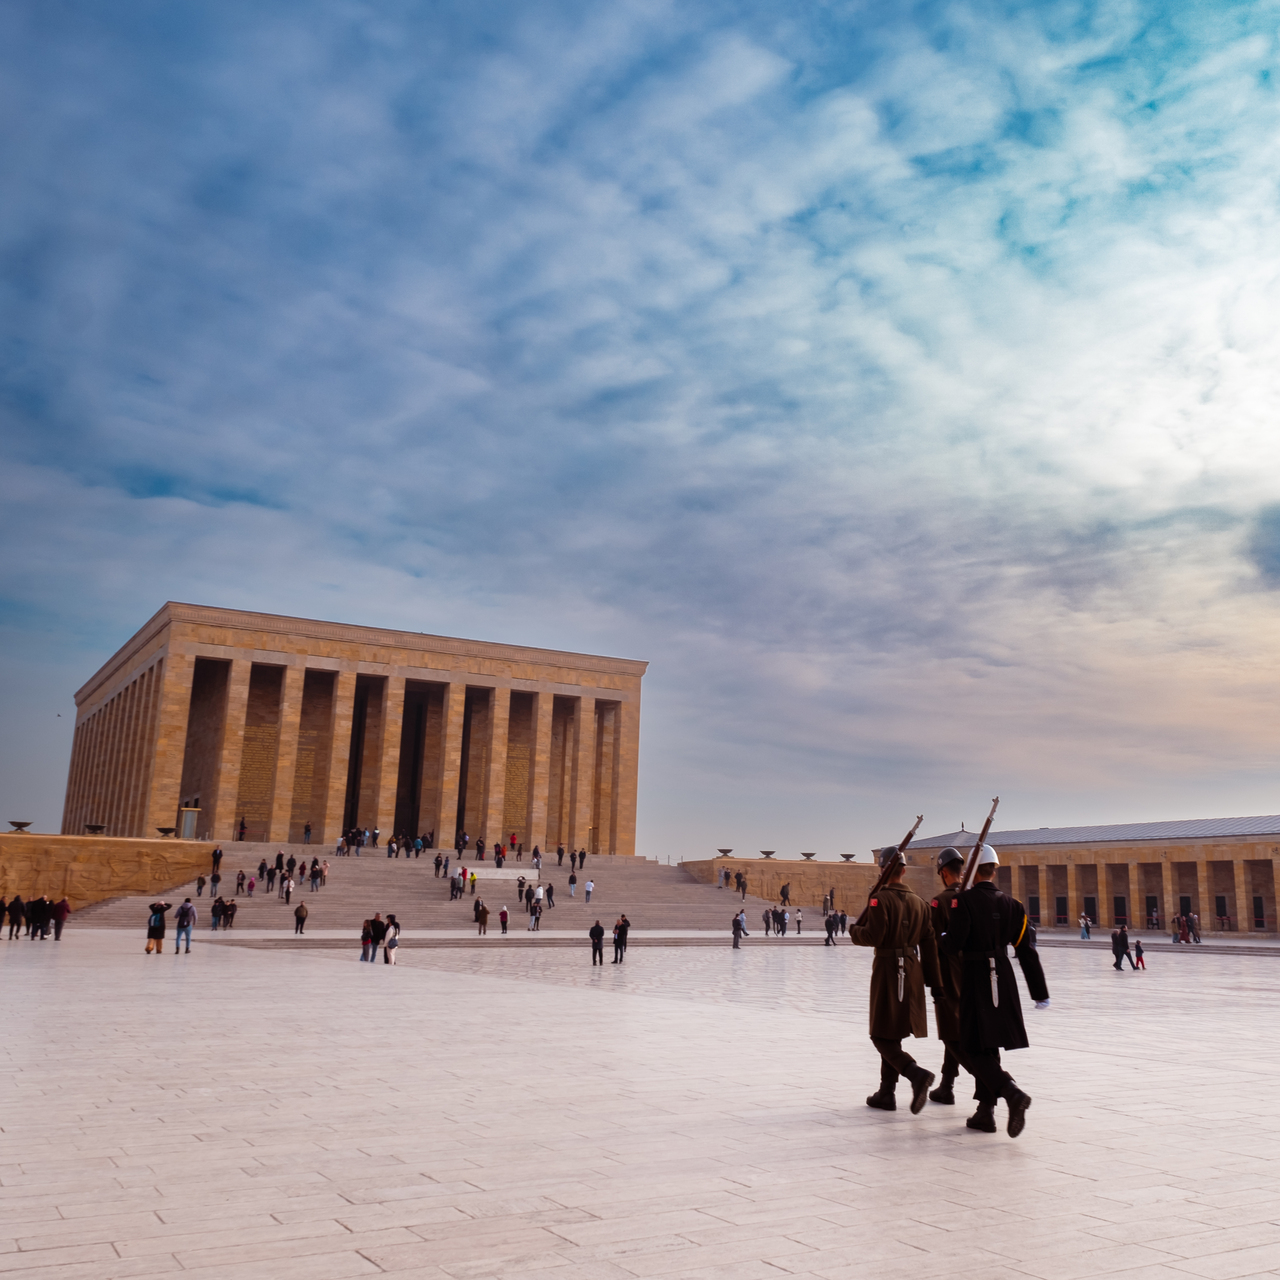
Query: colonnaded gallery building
208	717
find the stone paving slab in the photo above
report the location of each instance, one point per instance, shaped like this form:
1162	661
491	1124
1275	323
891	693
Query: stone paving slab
691	1113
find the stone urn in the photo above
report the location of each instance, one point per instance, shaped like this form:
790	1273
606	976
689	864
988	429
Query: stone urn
166	831
95	828
724	853
848	857
19	826
807	856
767	853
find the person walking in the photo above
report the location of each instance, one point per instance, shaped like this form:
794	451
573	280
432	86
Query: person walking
306	833
896	924
1194	921
831	923
1118	949
946	995
324	872
573	882
299	917
551	896
984	924
391	940
503	916
200	884
217	857
252	885
1138	953
785	894
366	941
737	931
482	919
155	926
315	878
229	910
591	884
1084	927
214	881
184	919
215	914
560	855
1124	944
240	879
288	889
596	934
17	916
61	910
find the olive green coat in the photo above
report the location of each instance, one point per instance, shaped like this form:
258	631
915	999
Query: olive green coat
896	920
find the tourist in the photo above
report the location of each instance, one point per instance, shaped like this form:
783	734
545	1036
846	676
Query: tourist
620	931
503	916
214	881
306	833
551	895
831	923
324	872
291	865
17	916
573	882
262	870
155	926
785	894
366	940
315	877
240	879
377	931
271	878
392	937
217	857
482	918
437	862
1137	951
473	882
215	914
573	861
538	894
200	884
61	910
251	885
299	917
229	910
737	931
376	833
288	889
560	855
596	934
591	884
1194	921
799	920
393	850
844	921
184	918
1084	926
240	832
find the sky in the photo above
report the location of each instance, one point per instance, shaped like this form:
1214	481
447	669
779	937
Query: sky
899	380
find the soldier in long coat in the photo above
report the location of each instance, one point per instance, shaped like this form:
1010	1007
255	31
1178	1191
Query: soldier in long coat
984	923
896	923
946	995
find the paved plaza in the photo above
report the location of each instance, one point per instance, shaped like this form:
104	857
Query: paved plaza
242	1112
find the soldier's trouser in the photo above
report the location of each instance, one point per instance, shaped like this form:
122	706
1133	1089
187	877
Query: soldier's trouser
894	1062
993	1081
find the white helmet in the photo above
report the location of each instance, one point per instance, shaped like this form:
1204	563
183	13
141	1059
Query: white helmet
987	857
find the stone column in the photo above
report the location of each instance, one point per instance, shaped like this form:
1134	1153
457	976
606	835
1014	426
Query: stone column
455	706
583	788
234	709
344	698
170	745
389	756
540	770
1137	903
1168	895
626	783
496	783
1244	906
286	754
1204	906
1075	896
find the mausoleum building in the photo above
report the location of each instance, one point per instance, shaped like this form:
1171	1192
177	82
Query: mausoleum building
208	718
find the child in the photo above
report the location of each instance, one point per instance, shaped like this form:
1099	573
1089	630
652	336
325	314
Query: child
1137	951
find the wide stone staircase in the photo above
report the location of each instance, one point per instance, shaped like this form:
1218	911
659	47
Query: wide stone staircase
653	896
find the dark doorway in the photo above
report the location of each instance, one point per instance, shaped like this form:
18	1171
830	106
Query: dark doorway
1091	909
1060	910
1120	910
359	713
1220	906
1184	905
1259	913
1153	911
1033	908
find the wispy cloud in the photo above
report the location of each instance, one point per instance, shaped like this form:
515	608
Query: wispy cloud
901	382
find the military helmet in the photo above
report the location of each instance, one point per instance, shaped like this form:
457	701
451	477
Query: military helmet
950	857
888	854
987	857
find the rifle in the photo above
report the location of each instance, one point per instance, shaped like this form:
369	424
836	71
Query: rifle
891	869
971	863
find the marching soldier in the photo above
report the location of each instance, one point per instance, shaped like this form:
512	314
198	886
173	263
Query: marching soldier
983	923
946	995
896	923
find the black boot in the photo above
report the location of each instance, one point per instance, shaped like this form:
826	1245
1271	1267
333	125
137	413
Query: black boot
1018	1104
984	1119
943	1093
920	1090
883	1099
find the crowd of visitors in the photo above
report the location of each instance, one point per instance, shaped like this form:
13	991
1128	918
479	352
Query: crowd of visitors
38	917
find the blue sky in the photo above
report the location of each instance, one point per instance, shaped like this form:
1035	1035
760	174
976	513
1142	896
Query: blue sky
899	380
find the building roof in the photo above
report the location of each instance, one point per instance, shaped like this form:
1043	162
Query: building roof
1183	829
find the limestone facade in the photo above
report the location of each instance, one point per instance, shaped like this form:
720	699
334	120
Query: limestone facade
281	722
